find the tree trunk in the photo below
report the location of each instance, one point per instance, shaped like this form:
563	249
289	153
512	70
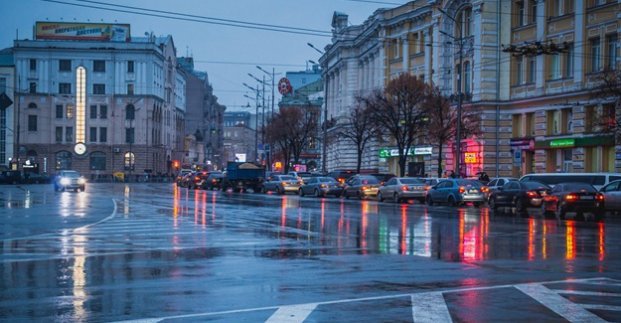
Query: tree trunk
402	160
440	160
359	161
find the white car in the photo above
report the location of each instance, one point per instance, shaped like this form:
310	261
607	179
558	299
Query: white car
69	180
403	188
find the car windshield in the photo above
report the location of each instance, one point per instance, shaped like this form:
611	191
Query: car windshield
410	181
576	187
287	178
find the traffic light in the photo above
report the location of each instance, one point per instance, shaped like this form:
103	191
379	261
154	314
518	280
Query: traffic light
176	164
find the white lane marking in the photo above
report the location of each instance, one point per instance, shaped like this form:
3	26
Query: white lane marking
570	311
292	314
602	307
585	293
430	308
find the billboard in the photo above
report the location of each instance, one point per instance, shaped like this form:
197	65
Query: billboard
82	31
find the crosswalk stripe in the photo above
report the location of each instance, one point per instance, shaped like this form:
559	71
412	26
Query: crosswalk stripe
570	311
430	308
585	293
602	307
292	314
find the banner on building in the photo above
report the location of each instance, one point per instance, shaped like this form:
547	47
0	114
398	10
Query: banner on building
82	31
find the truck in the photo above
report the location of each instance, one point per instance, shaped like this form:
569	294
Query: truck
241	176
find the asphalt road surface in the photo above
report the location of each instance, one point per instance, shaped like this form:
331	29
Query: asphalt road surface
158	253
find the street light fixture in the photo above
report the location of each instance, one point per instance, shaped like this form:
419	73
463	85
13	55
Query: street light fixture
315	48
256	119
460	43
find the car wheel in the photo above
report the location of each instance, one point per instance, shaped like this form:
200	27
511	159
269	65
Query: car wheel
396	198
520	208
279	191
429	201
380	197
492	204
317	194
560	213
300	192
451	201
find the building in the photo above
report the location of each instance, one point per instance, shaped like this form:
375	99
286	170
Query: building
537	112
239	144
204	118
301	79
7	107
92	98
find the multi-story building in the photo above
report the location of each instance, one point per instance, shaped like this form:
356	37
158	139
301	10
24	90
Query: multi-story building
7	107
92	98
204	117
537	109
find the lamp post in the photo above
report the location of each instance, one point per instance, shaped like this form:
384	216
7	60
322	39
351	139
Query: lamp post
324	146
460	43
256	119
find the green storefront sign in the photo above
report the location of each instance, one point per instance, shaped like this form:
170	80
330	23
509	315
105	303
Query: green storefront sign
560	143
606	140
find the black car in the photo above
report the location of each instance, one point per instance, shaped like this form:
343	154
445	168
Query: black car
213	181
519	195
361	186
341	175
578	198
11	177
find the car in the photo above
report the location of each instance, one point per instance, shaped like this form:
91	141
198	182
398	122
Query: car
69	180
519	195
612	197
36	178
11	177
495	183
182	173
383	177
300	175
197	180
455	191
187	179
341	175
321	187
578	198
361	186
598	180
403	188
281	184
213	181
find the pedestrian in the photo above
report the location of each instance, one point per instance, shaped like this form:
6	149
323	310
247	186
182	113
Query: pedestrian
452	174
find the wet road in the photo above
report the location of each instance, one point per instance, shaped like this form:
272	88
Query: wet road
153	251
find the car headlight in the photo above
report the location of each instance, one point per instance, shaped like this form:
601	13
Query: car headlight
81	180
65	181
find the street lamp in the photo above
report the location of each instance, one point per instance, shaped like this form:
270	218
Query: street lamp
256	119
460	43
324	146
315	48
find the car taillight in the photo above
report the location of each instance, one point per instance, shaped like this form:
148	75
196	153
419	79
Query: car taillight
531	194
462	189
213	181
571	197
427	187
197	178
405	188
364	188
341	180
485	189
599	197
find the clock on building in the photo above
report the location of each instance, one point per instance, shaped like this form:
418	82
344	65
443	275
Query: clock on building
79	148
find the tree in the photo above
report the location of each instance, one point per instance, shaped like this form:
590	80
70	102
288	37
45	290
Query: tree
442	122
608	89
399	110
359	128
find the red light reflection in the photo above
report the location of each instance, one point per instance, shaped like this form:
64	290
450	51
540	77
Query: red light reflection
364	222
531	239
602	240
570	240
404	230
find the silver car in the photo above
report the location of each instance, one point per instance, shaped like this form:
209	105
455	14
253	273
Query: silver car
282	184
612	197
403	188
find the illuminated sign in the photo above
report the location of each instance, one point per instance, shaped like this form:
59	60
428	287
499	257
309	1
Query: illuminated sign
82	31
393	152
558	143
470	158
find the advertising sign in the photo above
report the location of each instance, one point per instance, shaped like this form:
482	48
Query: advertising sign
82	31
557	143
470	158
393	152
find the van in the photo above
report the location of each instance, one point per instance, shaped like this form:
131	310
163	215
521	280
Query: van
598	180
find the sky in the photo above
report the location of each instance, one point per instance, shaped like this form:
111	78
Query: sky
226	53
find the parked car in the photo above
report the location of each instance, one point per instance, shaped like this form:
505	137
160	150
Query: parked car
497	182
431	181
186	179
213	181
182	173
11	177
598	180
197	180
69	180
456	192
300	175
403	188
578	198
383	177
519	195
36	178
341	175
282	184
612	197
361	186
321	186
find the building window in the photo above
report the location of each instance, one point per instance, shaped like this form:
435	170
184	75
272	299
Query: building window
609	120
567	120
103	134
555	67
59	111
92	134
130	89
517	126
93	114
129	161
103	111
32	105
530	124
532	69
518	71
33	64
69	134
129	135
64	88
519	10
467	78
99	88
32	123
99	66
70	111
590	117
64	65
130	66
59	134
553	122
32	87
2	84
568	58
130	112
464	23
533	12
596	64
611	52
63	160
98	161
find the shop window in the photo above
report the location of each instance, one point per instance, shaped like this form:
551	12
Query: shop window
63	160
129	161
97	160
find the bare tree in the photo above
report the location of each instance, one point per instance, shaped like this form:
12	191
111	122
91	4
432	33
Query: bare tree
359	128
399	110
442	122
608	89
276	135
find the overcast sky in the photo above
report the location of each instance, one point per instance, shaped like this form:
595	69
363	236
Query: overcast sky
227	53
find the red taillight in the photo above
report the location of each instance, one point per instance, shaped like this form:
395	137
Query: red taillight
531	194
485	189
405	188
197	178
462	189
341	180
213	181
571	197
599	197
427	187
364	188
